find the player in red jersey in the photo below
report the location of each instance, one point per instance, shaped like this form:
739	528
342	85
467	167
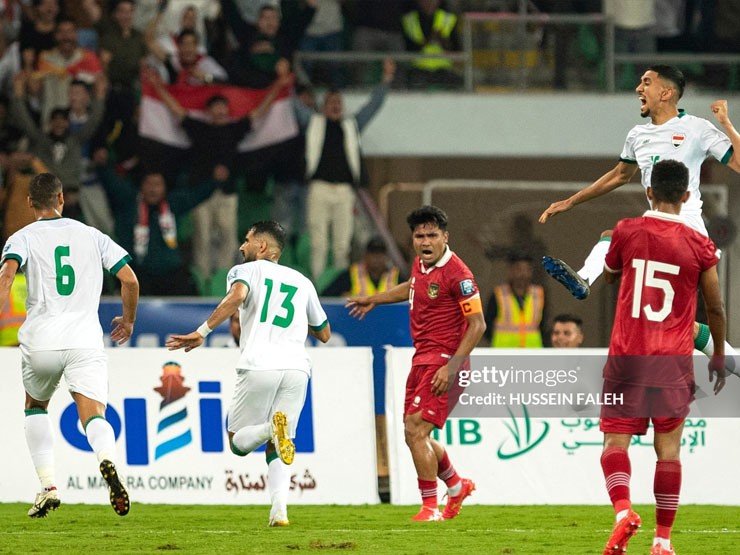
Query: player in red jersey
446	323
662	261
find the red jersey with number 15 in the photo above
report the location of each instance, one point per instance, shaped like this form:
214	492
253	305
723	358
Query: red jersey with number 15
661	260
439	299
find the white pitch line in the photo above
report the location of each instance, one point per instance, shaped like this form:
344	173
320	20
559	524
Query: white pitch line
424	530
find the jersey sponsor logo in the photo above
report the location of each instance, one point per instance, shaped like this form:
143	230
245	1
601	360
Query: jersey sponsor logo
433	291
678	140
467	287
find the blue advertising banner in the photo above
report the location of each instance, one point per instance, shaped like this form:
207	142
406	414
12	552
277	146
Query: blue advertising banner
156	319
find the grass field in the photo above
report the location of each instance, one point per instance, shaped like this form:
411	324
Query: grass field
555	530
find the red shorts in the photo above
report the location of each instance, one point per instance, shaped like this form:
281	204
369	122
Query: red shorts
667	408
419	396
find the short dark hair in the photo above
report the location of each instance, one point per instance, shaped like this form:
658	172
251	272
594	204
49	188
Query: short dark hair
669	180
59	112
43	190
515	256
427	215
376	245
215	99
271	228
186	32
672	74
565	318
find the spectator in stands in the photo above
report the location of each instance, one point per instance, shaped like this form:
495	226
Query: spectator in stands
37	30
261	46
324	34
566	332
289	189
188	22
93	200
62	64
10	64
85	13
61	148
431	30
187	66
515	311
373	274
213	150
333	167
634	33
122	49
195	15
146	226
20	167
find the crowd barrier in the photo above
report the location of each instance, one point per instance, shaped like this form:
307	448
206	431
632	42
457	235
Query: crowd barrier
168	410
524	460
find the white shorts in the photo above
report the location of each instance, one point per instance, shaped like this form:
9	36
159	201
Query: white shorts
260	393
84	370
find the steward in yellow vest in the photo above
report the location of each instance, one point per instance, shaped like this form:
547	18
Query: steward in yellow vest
429	30
369	276
15	312
516	309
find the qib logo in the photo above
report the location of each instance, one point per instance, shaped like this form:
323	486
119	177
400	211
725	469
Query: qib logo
524	436
174	425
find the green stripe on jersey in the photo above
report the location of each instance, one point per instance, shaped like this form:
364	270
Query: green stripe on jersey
31	412
727	156
628	161
120	264
16	257
321	327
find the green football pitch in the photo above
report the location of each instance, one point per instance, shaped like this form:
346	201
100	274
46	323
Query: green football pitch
521	530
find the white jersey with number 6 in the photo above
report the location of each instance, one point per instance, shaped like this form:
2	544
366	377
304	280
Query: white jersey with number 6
280	306
63	261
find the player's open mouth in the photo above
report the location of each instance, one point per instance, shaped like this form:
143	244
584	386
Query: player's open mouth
427	252
642	100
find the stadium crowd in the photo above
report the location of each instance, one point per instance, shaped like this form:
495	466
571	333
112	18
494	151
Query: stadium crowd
73	102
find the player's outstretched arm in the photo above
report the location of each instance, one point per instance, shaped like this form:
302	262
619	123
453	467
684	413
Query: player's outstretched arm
228	305
709	285
123	326
359	306
721	113
616	177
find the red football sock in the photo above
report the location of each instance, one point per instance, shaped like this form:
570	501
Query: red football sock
615	462
428	489
667	487
446	472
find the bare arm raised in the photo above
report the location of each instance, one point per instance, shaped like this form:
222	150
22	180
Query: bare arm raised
616	177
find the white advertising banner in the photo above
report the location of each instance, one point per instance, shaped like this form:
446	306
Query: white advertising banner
527	460
169	411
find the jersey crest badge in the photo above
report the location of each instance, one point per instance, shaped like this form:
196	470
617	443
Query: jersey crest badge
678	140
467	288
433	291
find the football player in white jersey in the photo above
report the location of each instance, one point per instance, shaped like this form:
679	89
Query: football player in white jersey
63	261
278	307
670	134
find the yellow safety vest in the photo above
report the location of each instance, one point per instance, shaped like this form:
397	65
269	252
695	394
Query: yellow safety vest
362	284
443	24
517	327
15	312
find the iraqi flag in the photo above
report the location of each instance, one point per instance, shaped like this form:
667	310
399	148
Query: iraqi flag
678	140
159	125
